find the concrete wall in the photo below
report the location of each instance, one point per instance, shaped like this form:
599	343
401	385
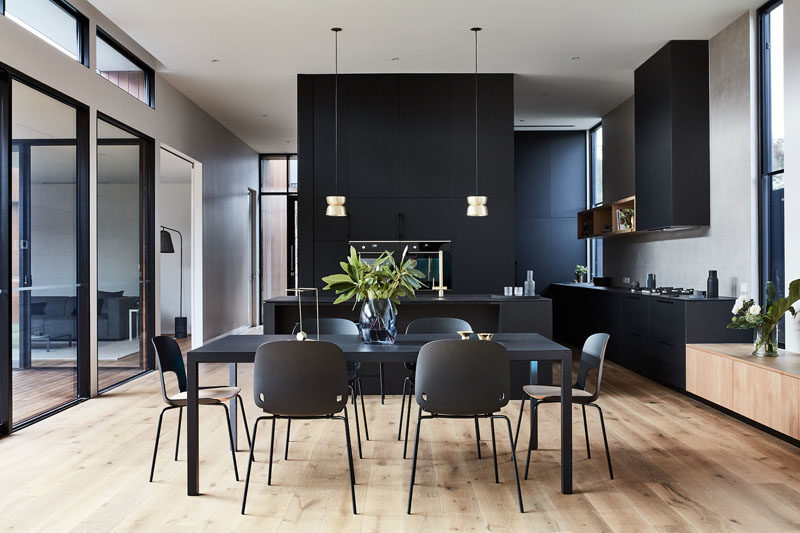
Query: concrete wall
229	165
729	245
791	21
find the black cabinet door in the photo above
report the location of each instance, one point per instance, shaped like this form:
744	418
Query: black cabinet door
373	219
635	352
426	219
669	361
635	312
668	320
424	125
328	228
327	255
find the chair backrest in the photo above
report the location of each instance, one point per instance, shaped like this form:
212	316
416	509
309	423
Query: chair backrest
169	359
300	378
438	325
328	326
463	377
592	358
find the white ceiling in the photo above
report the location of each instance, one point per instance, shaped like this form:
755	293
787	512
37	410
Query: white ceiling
262	45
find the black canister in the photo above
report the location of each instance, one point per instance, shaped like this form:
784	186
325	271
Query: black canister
712	285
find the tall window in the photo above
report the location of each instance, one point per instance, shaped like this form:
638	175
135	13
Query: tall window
771	189
278	224
54	21
596	194
119	66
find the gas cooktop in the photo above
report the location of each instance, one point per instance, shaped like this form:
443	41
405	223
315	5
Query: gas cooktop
666	291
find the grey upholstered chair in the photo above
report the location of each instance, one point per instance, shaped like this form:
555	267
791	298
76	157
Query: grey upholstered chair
463	379
300	380
169	359
428	326
592	359
337	326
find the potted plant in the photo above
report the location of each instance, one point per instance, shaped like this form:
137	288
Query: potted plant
626	218
749	315
379	285
580	273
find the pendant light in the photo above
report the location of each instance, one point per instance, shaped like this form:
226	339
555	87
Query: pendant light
476	205
336	206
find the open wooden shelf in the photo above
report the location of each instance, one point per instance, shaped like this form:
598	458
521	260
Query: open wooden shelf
604	220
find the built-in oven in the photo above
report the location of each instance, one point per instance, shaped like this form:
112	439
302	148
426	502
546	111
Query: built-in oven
434	258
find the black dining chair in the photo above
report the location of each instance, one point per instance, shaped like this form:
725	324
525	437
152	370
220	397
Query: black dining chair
463	379
593	357
429	326
338	326
169	359
300	380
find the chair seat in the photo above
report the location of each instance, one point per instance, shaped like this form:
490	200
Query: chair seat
206	396
552	393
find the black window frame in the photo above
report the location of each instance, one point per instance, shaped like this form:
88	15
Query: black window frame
82	27
594	247
7	74
149	72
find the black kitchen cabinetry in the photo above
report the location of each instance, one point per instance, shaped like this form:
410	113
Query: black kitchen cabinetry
672	132
649	334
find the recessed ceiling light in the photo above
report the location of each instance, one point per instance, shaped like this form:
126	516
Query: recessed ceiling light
522	120
544	94
265	115
288	141
216	60
395	59
575	58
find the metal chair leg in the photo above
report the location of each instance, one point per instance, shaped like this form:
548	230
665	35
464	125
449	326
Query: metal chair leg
363	409
358	429
514	460
533	439
380	375
244	418
288	431
406	383
350	461
408	417
155	447
414	462
271	448
605	440
494	452
586	432
249	463
519	421
230	436
478	436
178	437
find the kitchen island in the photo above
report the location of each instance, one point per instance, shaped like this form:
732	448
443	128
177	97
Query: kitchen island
485	312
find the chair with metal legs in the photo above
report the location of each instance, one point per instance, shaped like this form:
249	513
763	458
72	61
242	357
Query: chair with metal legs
592	358
170	359
432	325
463	379
296	380
338	326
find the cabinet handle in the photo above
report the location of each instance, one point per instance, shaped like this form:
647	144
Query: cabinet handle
634	297
664	302
666	344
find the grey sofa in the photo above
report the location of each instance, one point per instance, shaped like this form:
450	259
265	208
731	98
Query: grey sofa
57	318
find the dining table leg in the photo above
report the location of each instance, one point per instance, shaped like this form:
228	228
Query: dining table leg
566	423
192	433
234	381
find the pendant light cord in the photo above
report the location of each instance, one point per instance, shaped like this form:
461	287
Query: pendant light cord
476	30
336	108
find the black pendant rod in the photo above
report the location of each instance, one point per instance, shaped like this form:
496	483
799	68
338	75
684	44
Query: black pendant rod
336	107
476	30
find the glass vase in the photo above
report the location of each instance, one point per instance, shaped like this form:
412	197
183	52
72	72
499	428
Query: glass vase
377	321
765	343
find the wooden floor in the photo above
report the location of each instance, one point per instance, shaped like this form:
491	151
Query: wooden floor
679	466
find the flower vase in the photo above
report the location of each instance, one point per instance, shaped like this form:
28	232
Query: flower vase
765	343
377	321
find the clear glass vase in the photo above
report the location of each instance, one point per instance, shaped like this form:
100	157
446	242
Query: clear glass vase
765	343
377	322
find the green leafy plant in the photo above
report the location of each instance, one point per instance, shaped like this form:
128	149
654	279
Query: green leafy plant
749	315
580	272
626	216
384	278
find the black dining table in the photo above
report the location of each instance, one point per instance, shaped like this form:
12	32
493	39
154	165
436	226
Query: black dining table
235	349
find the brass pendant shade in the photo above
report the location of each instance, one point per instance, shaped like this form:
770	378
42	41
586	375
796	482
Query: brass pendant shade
336	206
476	205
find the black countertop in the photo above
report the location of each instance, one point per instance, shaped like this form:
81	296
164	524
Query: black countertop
422	298
625	290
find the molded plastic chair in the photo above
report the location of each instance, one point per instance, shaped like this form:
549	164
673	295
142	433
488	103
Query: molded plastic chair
170	359
592	358
432	325
463	379
300	380
338	326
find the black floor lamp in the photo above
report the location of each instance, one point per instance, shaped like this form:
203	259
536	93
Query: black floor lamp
168	248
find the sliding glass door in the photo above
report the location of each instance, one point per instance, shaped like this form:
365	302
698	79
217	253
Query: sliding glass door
123	284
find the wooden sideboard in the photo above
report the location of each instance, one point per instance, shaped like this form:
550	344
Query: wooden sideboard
763	389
